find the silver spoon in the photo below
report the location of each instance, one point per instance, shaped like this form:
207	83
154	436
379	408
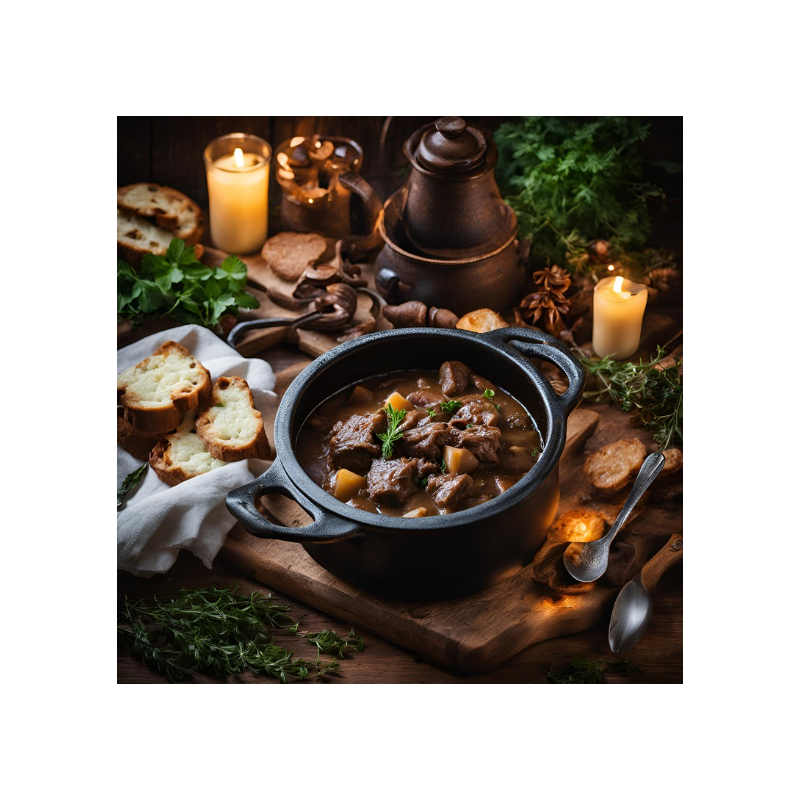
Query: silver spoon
588	562
634	605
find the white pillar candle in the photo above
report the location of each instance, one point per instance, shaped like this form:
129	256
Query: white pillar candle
618	310
237	171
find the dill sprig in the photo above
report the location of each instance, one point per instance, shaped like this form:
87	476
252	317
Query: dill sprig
393	418
218	632
654	392
591	670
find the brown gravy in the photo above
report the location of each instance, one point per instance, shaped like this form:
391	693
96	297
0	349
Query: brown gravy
343	432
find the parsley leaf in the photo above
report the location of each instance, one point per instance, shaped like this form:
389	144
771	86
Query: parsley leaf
488	393
451	406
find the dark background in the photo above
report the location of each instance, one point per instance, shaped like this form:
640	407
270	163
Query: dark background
169	150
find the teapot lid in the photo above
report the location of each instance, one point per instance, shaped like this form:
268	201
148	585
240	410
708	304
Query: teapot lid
450	145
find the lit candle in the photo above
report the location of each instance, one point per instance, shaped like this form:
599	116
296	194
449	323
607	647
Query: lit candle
237	171
618	311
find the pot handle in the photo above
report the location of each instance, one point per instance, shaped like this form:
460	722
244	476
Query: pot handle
354	246
326	527
538	344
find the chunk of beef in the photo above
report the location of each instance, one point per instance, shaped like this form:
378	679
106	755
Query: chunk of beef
454	377
424	441
426	398
516	460
482	441
482	384
450	491
412	419
423	469
518	419
353	443
391	482
478	411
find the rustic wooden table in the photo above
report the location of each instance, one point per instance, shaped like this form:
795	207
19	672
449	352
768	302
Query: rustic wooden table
659	654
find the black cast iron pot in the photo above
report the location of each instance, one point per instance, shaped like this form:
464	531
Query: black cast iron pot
427	557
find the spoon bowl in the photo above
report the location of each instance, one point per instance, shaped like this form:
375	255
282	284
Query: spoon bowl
631	616
588	562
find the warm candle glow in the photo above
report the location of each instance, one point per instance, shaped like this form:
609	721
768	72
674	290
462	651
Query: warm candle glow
618	316
296	141
238	157
618	284
610	267
283	160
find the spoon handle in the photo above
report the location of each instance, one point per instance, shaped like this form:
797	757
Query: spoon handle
671	553
652	465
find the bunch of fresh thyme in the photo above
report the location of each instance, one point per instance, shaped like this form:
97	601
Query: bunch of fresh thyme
654	391
218	632
591	670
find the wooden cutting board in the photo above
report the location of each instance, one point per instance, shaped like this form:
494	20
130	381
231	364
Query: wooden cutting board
478	632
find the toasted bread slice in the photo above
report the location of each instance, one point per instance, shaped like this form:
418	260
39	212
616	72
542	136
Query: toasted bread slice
137	443
168	208
156	393
231	428
481	320
611	468
290	254
181	455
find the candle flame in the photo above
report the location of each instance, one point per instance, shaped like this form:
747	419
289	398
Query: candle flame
238	157
610	267
318	144
618	284
296	140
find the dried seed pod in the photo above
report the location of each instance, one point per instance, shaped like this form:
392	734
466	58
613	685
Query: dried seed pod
321	275
441	318
412	314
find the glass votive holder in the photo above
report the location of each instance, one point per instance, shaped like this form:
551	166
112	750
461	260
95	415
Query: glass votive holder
237	171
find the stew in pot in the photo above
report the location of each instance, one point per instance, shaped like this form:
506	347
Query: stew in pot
415	444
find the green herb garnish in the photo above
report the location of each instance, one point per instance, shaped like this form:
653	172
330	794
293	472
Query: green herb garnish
431	412
655	393
179	286
394	418
131	481
451	406
469	424
488	394
218	632
444	467
535	452
423	483
591	670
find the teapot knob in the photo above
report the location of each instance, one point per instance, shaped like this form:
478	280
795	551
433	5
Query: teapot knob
451	127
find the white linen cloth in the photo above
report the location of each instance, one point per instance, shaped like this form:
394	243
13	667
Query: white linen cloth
159	520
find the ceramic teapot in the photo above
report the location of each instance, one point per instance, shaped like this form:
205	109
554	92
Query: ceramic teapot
454	208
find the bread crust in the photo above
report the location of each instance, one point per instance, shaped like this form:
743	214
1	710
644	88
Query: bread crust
138	443
164	418
162	465
290	254
166	219
258	447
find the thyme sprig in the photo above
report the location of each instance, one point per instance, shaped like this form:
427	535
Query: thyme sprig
218	632
393	418
591	670
654	391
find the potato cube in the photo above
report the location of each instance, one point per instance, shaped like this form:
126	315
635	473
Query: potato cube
459	460
361	396
348	485
417	512
398	401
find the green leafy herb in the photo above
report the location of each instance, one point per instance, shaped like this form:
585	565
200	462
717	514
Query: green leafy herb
444	467
218	632
431	412
654	392
535	452
180	287
488	394
219	405
469	424
423	483
570	180
451	406
132	481
394	418
591	670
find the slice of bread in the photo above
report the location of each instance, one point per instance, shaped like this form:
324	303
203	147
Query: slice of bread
231	428
137	443
182	455
156	393
289	254
168	208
